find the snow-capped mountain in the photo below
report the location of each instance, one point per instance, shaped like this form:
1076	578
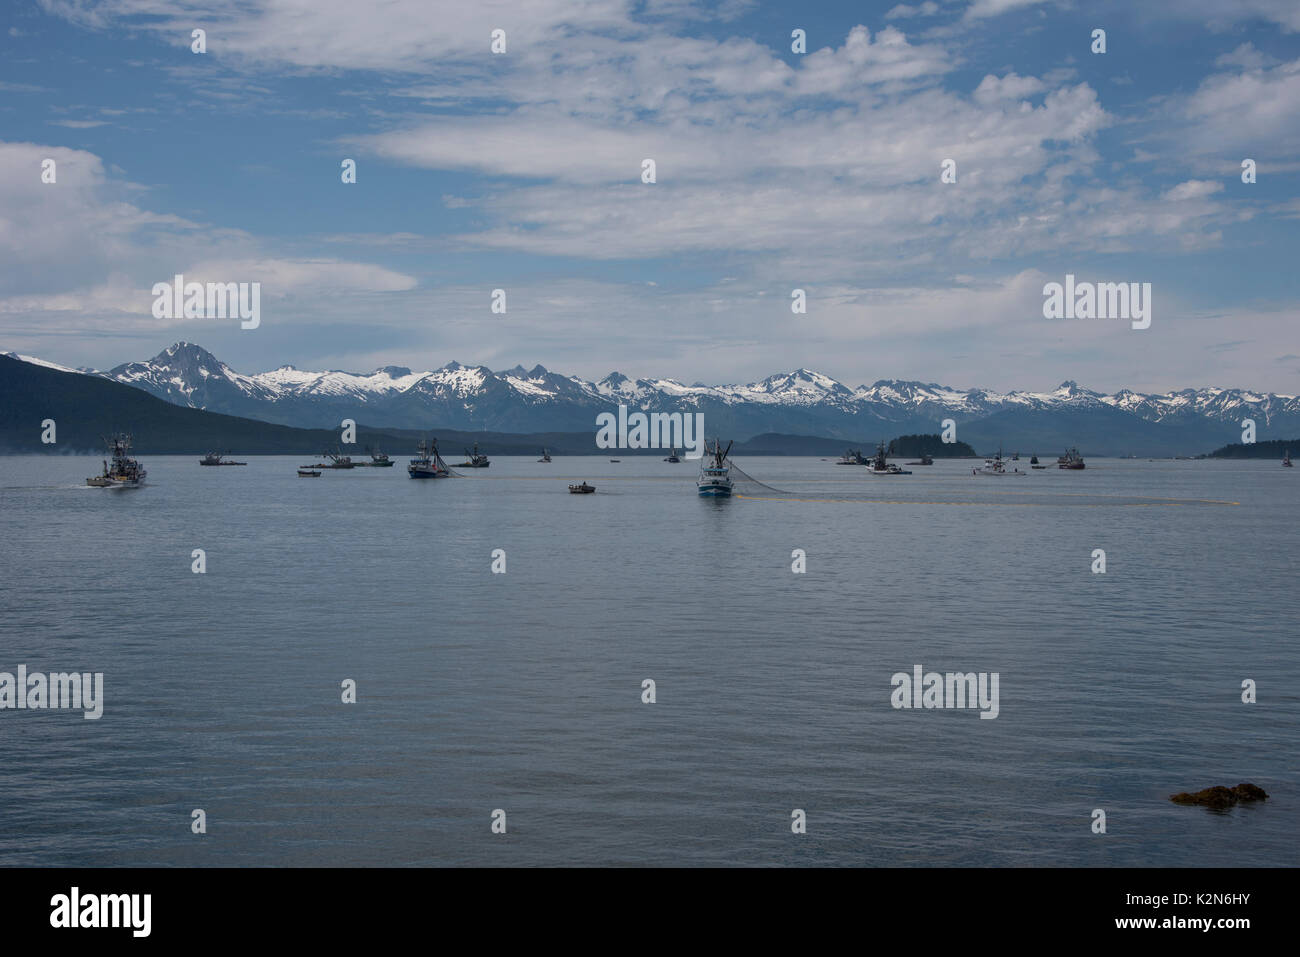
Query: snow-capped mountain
800	402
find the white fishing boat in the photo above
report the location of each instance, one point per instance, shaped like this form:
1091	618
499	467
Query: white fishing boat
996	468
120	470
715	473
427	464
880	465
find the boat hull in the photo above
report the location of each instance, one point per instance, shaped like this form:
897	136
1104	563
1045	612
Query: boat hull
715	491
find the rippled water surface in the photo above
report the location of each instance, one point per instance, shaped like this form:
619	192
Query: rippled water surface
522	691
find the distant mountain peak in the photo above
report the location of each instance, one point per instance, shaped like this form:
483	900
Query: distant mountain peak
519	372
182	348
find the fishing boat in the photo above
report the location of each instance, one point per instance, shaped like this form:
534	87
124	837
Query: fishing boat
715	473
474	460
337	460
378	460
996	467
214	458
926	459
583	489
427	464
309	473
120	470
853	457
672	457
880	465
1070	460
616	461
546	456
1286	459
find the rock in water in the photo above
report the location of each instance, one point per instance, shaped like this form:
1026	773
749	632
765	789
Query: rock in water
1250	792
1219	798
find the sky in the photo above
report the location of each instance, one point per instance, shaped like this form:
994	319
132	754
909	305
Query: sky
775	170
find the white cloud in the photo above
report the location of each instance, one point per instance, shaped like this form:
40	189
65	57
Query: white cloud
981	9
78	246
400	36
1010	87
904	11
1193	189
1246	57
1222	16
1252	111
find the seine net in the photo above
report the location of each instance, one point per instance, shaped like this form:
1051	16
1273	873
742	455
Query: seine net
950	489
745	484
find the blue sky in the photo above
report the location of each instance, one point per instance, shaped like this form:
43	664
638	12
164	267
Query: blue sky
775	171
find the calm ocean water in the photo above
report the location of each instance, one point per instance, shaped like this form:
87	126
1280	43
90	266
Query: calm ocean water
522	691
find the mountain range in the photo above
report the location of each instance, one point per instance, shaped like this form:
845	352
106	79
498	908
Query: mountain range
801	402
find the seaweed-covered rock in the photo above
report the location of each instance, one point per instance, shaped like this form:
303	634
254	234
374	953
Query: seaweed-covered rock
1219	798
